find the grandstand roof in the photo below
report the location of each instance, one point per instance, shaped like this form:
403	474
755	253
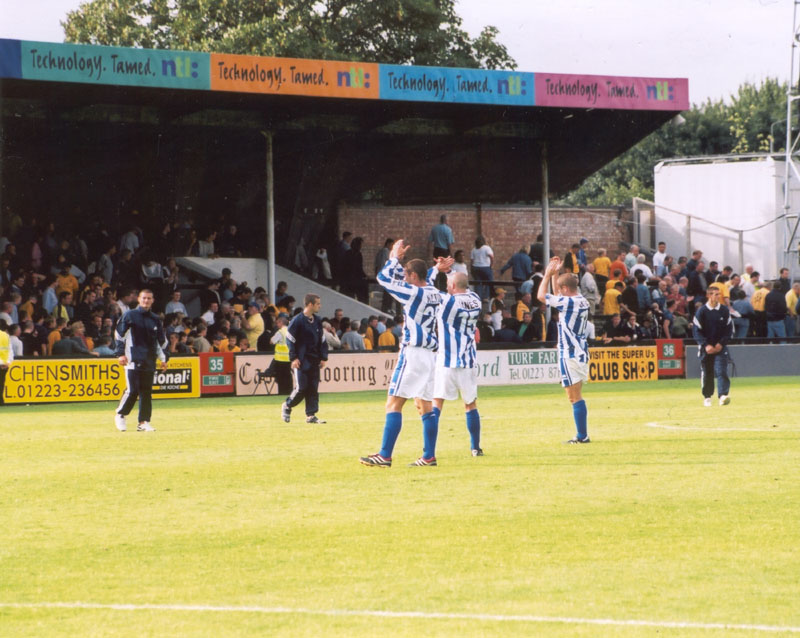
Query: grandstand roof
413	134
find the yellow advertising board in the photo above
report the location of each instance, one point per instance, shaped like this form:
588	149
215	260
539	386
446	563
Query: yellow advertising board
638	363
292	76
71	380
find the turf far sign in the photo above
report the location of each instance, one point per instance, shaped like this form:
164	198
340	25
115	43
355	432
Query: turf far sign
79	380
639	363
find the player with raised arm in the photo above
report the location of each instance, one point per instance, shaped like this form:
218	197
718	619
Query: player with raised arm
457	359
414	373
573	349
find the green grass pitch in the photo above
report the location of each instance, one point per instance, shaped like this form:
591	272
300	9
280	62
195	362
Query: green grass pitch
678	520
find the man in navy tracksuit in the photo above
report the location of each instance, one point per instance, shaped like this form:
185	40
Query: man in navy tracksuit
140	341
712	330
308	352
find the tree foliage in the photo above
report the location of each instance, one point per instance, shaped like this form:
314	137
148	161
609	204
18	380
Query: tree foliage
422	32
713	128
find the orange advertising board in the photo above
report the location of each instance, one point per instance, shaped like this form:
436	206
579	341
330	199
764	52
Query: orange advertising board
292	76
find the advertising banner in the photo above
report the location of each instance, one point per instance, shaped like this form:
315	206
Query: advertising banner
342	373
73	380
114	65
517	367
610	92
216	372
291	76
439	84
671	360
637	363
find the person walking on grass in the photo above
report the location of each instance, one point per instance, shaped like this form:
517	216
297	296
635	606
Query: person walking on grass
573	349
141	340
712	328
308	352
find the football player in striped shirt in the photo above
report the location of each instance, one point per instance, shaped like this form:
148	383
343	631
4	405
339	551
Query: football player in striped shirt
457	360
414	373
573	349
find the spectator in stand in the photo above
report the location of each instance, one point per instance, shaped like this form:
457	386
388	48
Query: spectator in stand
611	299
497	307
658	260
632	329
632	257
589	289
130	240
205	247
641	266
201	342
776	311
387	342
175	304
507	332
602	269
459	265
520	264
784	283
696	290
230	244
334	343
485	328
362	330
758	300
105	263
691	264
532	327
537	251
583	259
31	345
55	334
792	326
14	332
643	297
629	299
64	308
441	239
742	314
522	305
482	258
668	319
352	340
126	272
552	326
355	279
571	263
619	264
253	322
339	256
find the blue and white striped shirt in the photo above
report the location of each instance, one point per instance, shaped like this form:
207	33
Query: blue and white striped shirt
457	321
573	315
419	306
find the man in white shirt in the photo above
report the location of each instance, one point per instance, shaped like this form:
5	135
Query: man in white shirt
658	259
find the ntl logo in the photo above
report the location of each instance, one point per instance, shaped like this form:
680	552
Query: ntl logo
355	78
659	91
179	67
513	85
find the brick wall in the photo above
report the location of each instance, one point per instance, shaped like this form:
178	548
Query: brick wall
506	228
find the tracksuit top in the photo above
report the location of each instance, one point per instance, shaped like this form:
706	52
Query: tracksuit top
141	338
712	326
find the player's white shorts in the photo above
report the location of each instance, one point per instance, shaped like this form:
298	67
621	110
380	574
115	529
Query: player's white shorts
413	374
573	371
449	381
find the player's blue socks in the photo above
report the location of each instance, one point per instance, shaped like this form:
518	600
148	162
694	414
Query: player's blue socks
394	423
430	432
474	428
579	413
437	413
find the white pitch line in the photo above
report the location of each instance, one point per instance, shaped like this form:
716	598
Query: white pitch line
408	614
687	427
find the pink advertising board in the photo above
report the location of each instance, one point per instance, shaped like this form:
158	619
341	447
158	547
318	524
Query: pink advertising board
611	92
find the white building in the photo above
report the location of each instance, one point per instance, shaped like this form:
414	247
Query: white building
731	208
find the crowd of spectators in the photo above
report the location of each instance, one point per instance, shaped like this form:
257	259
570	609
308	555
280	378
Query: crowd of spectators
62	293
